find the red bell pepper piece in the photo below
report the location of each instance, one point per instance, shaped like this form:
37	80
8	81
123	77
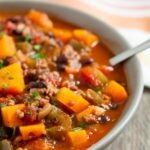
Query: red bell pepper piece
93	76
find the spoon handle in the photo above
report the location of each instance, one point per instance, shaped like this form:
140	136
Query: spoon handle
128	53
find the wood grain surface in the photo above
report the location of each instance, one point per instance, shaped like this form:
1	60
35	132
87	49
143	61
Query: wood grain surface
136	135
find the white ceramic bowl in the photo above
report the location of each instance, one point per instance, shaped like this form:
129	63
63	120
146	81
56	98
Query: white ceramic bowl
111	38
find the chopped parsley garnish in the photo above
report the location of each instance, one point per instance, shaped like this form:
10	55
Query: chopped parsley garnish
1	64
35	94
5	85
37	56
27	97
97	89
50	130
29	112
37	47
10	78
54	102
27	39
33	71
29	102
77	129
83	124
5	75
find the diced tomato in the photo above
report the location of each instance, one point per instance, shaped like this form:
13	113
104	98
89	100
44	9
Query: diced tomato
89	75
10	27
93	76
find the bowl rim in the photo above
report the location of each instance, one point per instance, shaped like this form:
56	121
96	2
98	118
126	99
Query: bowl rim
139	89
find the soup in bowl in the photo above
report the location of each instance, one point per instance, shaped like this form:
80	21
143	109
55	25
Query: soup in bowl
58	90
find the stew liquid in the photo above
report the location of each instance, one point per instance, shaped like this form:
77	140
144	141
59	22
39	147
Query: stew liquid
57	89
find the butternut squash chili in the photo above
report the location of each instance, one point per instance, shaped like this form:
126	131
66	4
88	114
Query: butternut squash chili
57	90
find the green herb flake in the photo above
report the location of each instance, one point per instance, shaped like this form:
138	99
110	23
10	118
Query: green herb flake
5	85
27	39
37	47
1	64
5	75
50	130
35	94
27	97
29	112
77	129
54	102
33	72
83	124
29	102
38	56
10	78
97	89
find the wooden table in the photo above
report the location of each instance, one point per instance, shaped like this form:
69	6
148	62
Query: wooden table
136	135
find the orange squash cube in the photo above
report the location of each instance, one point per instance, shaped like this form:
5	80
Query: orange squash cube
32	131
9	115
40	18
7	46
90	110
85	36
63	34
116	91
77	137
11	79
72	101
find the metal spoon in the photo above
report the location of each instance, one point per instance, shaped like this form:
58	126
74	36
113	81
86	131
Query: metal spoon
129	53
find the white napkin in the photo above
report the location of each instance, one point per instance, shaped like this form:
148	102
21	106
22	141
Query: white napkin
135	37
